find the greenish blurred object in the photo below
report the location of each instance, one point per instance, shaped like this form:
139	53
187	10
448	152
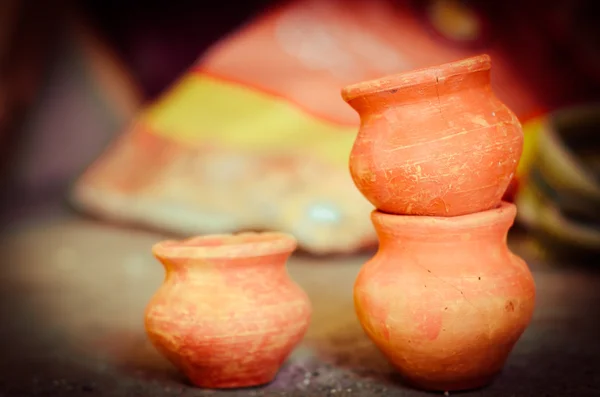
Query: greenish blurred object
560	201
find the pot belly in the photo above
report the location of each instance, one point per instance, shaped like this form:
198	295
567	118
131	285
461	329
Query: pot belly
445	334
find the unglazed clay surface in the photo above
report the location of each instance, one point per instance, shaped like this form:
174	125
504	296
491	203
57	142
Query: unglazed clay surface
227	314
435	141
444	298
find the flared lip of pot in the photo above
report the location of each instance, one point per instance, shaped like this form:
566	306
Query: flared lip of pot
505	213
238	245
417	77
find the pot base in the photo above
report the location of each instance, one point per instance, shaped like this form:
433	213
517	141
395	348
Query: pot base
205	381
459	385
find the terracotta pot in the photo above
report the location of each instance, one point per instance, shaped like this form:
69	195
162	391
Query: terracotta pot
435	141
444	298
227	315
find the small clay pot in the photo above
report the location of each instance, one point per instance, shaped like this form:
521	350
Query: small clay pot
227	315
444	298
434	141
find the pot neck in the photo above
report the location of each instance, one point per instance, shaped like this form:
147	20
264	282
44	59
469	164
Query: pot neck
423	85
240	251
484	227
240	265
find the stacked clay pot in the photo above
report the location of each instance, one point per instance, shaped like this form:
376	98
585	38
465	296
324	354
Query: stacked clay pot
444	298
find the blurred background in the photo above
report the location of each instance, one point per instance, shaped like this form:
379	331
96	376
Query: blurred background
123	123
189	118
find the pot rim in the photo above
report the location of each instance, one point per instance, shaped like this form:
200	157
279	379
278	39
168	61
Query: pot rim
233	245
502	214
417	76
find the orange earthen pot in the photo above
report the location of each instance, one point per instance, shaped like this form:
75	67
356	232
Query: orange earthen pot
434	141
444	298
227	315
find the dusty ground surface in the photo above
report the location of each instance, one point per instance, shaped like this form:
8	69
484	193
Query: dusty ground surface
71	310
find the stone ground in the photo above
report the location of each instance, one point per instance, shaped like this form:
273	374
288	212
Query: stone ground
71	323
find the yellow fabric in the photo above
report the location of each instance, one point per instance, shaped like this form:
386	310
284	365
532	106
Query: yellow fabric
201	109
531	130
